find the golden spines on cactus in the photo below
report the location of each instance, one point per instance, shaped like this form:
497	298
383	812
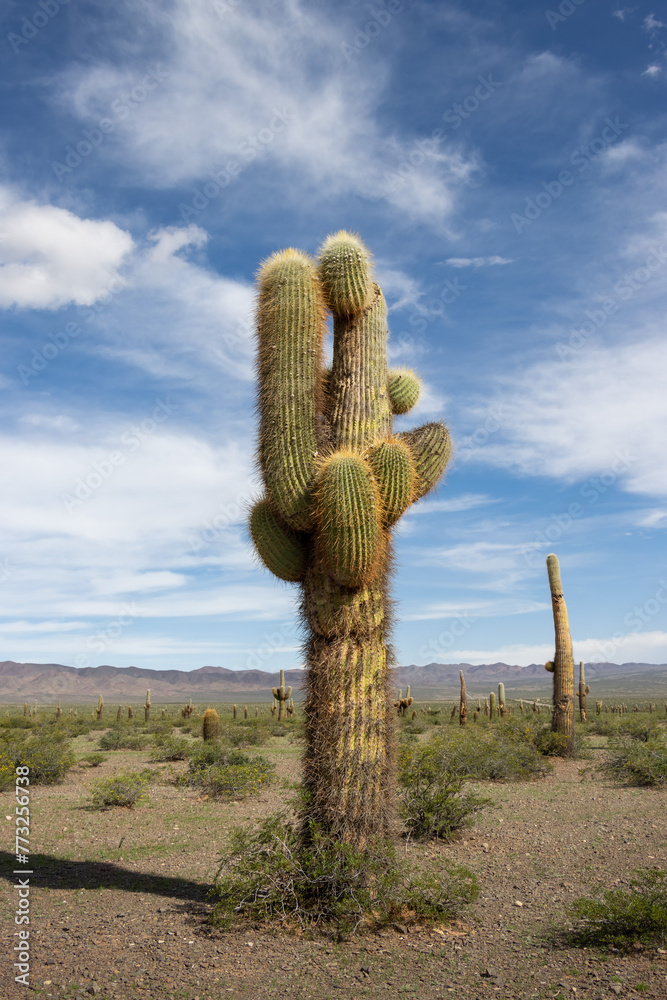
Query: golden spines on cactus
395	474
562	665
431	449
346	273
290	327
349	516
282	550
404	389
358	409
210	725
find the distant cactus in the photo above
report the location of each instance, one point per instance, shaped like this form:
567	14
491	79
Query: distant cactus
210	725
403	704
501	699
25	708
463	702
58	710
147	706
119	713
234	712
583	691
486	706
282	694
492	704
414	716
100	707
562	665
598	707
475	715
130	713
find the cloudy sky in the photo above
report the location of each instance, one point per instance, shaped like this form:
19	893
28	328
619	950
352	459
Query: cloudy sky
506	164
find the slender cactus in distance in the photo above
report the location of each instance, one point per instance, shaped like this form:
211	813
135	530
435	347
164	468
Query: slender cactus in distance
147	706
463	702
337	478
583	691
562	665
100	707
492	704
282	694
501	700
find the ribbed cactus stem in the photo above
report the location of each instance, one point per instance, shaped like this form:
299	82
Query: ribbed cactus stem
210	725
463	702
562	666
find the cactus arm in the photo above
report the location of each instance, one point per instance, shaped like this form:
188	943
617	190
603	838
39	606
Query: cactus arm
431	450
291	325
283	551
404	389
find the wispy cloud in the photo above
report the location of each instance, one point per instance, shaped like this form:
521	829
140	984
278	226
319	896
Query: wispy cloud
479	261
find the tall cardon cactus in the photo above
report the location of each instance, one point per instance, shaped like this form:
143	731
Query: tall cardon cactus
337	478
562	665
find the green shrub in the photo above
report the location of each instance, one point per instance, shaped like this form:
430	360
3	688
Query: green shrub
222	770
245	734
126	788
269	875
502	752
122	738
93	759
170	748
635	761
48	756
433	801
623	916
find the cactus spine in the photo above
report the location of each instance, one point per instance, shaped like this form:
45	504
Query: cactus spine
562	665
210	725
282	694
336	478
463	702
583	691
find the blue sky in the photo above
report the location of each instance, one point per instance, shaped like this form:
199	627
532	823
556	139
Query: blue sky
505	162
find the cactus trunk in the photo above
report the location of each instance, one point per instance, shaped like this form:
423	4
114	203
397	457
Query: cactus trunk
463	702
336	480
562	665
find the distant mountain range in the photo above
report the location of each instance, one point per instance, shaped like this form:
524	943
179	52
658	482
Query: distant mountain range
50	681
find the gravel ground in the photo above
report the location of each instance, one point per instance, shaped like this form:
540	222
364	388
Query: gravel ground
125	918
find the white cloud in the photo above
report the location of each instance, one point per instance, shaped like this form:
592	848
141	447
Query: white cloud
260	87
603	412
475	609
478	261
636	647
652	71
466	501
50	257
